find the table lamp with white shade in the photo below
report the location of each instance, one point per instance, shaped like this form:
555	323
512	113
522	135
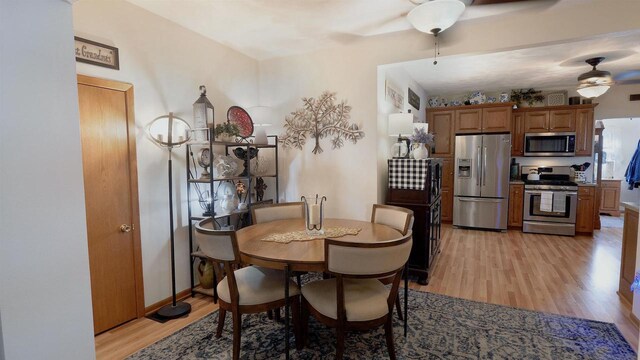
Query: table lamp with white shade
169	131
400	126
262	116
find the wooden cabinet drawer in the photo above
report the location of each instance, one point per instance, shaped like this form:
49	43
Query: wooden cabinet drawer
586	191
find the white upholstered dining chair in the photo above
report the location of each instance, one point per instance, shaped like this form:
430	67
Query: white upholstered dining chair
400	219
250	289
355	299
281	211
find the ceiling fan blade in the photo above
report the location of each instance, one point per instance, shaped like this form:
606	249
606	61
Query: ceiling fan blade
629	75
628	82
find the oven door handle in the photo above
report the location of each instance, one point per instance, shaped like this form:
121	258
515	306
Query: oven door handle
529	192
481	200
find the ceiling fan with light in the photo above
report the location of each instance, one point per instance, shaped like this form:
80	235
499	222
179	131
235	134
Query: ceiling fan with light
596	82
435	16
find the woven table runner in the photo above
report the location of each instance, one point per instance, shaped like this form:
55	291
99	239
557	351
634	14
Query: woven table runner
329	232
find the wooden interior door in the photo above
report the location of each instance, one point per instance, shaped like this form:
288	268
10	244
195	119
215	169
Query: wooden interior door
110	183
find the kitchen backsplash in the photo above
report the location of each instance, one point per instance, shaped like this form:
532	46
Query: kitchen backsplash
558	161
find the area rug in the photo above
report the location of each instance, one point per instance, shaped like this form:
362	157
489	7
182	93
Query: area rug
440	327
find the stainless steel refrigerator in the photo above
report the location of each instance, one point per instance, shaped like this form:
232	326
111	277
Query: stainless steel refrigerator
481	187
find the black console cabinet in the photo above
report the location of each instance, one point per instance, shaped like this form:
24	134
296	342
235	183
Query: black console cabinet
426	206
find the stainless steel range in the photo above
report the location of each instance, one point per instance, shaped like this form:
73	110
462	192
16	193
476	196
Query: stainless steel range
550	203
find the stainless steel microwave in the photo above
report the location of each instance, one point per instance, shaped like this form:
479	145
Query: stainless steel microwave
550	144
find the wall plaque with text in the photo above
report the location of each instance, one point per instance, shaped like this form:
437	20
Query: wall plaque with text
94	53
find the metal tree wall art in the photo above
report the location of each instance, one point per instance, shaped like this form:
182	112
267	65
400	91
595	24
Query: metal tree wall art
320	118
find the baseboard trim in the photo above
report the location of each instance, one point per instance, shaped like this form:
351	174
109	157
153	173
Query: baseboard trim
634	320
179	296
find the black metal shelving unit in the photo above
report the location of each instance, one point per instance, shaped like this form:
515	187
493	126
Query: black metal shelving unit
249	181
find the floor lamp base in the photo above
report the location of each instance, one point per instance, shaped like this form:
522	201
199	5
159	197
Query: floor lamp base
172	312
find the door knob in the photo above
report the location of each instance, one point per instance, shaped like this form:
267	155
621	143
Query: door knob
125	228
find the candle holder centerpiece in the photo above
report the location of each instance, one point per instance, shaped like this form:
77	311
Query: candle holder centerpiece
314	214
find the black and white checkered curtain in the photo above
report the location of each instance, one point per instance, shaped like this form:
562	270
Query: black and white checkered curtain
408	174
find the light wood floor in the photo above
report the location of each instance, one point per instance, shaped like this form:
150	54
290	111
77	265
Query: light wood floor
562	275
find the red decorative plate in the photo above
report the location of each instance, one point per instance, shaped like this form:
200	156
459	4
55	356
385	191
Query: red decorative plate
240	117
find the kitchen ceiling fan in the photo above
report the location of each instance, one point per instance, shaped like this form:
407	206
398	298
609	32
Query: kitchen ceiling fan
596	82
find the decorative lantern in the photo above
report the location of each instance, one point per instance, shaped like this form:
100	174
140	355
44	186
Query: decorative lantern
203	120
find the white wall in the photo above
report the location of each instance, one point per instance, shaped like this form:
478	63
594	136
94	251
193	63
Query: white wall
621	138
45	296
165	63
352	71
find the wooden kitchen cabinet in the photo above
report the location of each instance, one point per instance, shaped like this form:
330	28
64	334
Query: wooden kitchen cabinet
610	197
486	118
441	125
628	257
584	131
586	207
447	190
468	121
516	203
562	120
536	121
517	135
496	119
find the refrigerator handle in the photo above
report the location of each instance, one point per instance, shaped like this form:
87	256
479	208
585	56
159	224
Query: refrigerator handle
478	167
484	167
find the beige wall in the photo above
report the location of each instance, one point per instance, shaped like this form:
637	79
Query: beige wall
45	294
356	178
166	63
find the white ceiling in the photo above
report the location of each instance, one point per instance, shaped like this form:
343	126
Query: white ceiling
270	28
546	67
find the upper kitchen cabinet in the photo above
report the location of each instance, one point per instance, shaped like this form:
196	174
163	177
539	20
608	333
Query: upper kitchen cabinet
441	124
468	121
584	131
566	118
536	121
517	135
562	120
496	119
483	118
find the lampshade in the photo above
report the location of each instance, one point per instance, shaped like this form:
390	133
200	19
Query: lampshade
262	117
592	91
400	124
435	16
169	131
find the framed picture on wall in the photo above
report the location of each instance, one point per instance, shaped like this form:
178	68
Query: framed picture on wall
393	95
95	53
414	99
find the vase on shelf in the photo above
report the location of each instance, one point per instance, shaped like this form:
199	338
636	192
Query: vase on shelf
229	203
420	151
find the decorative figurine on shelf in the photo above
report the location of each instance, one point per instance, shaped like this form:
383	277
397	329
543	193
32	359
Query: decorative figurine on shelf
241	154
260	187
241	189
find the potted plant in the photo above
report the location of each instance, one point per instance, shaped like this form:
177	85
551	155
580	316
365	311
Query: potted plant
226	132
421	141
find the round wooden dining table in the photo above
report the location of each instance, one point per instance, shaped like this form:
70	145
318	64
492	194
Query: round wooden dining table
305	255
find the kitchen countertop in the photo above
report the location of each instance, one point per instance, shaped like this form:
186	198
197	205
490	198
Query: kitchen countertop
630	206
587	184
516	182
